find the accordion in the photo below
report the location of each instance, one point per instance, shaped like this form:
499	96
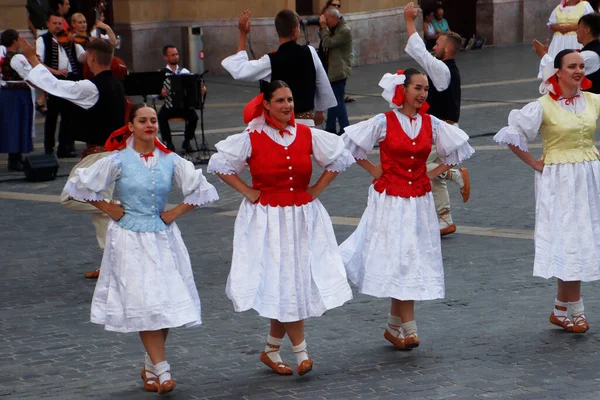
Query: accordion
186	90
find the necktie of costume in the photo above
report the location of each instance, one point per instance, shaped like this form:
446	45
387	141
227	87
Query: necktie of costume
147	155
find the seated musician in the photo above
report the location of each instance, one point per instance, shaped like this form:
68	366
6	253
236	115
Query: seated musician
167	111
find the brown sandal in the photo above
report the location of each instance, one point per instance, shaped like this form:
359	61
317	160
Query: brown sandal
92	274
398	341
279	368
167	386
411	341
305	367
563	322
150	382
580	324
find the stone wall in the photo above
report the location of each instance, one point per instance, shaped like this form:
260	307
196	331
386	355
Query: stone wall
514	21
143	41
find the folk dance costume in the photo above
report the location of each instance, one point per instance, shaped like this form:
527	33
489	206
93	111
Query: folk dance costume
286	264
16	109
564	15
395	250
146	282
567	232
444	99
298	66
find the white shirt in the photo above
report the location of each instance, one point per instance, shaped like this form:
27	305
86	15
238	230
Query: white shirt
437	70
63	58
178	70
590	59
240	67
83	93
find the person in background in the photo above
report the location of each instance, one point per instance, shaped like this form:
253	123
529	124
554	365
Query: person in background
439	22
336	37
16	105
429	31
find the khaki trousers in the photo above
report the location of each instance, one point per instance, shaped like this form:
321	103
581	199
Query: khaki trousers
99	219
438	184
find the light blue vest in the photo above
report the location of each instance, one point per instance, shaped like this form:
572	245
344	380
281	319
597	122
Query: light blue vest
144	191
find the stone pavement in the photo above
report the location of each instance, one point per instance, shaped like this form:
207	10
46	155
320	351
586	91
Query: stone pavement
489	338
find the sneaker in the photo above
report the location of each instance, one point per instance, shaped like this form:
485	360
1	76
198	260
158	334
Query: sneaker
470	44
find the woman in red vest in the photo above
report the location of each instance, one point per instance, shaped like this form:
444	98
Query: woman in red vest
286	263
395	251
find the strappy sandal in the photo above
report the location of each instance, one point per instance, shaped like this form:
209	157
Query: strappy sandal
397	339
305	367
562	321
280	367
580	324
411	341
166	386
150	381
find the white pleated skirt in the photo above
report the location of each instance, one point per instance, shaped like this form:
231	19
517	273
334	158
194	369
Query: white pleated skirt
286	264
146	282
396	249
567	222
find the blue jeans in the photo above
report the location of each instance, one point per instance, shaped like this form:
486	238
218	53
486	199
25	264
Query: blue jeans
337	113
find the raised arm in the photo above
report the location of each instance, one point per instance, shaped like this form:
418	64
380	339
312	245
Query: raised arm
436	69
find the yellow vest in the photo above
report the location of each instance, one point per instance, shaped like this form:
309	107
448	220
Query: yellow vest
568	137
571	17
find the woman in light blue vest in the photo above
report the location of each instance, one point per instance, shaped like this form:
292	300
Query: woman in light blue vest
146	284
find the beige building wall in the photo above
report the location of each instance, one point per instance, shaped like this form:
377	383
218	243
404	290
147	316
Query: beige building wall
13	14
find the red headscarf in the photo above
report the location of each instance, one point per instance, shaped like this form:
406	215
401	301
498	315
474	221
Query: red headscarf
255	109
399	97
557	91
118	140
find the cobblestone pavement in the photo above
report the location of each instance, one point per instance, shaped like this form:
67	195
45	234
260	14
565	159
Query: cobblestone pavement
489	338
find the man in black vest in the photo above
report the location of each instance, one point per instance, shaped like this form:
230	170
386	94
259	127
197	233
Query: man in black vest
102	105
64	62
298	66
588	31
444	100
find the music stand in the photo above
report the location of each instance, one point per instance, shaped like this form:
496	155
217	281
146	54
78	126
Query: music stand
204	148
144	84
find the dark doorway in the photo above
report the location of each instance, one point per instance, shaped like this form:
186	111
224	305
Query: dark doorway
304	7
461	14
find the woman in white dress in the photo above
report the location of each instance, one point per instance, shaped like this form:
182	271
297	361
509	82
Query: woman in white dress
395	251
567	229
563	22
286	264
146	284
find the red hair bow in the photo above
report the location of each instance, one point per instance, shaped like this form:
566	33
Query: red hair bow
398	98
118	140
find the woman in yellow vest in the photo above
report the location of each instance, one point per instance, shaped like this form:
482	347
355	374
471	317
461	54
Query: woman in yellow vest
563	22
567	212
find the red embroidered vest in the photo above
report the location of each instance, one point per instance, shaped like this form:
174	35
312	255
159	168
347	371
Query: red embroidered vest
404	160
282	173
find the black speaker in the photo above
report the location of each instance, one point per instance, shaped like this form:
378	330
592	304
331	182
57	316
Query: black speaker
40	168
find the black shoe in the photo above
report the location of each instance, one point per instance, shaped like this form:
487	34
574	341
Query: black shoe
15	166
66	154
49	152
186	147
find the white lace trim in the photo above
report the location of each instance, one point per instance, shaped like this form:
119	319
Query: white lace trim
510	135
341	163
463	153
202	196
78	191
